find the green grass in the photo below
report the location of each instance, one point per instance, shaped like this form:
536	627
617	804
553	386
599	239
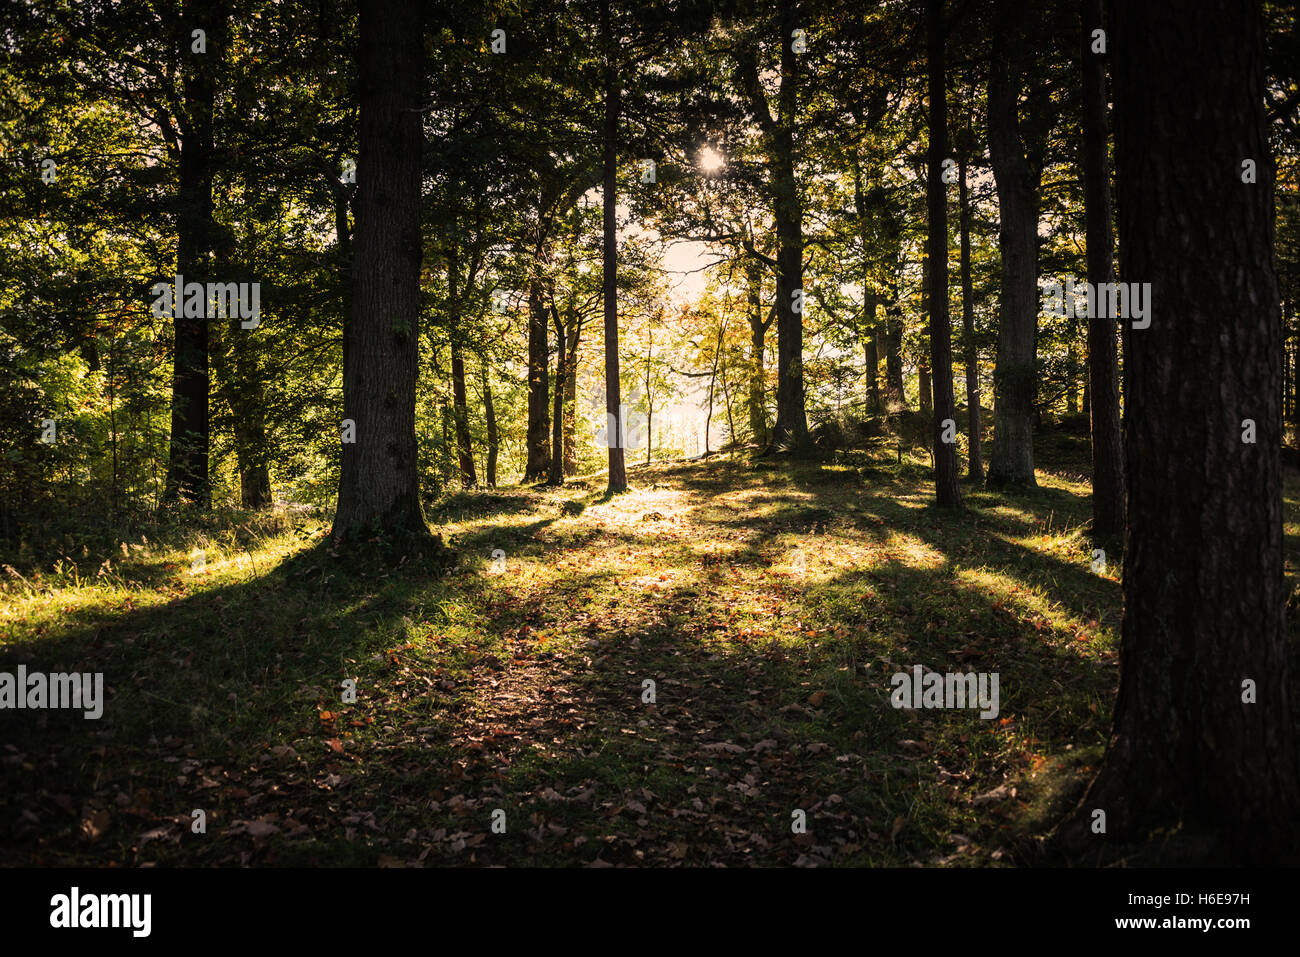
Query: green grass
769	602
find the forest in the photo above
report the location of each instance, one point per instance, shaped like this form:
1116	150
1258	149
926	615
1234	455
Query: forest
689	433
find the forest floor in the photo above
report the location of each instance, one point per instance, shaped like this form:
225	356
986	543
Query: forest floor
769	602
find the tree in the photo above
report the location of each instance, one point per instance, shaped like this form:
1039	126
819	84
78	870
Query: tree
791	428
1103	361
1203	728
187	467
379	482
615	426
1017	166
947	494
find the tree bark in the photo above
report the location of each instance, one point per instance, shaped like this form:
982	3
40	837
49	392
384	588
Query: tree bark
947	492
1103	360
613	414
1204	593
539	391
464	447
187	463
571	400
791	428
790	432
894	394
555	474
1295	368
974	430
757	337
489	412
1015	375
379	487
871	361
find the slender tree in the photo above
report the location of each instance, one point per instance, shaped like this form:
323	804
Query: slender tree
974	436
613	396
947	493
1103	361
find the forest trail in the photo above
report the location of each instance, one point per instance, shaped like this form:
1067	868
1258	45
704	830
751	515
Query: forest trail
769	603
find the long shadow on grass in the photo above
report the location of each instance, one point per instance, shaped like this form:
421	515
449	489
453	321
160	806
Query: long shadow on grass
214	677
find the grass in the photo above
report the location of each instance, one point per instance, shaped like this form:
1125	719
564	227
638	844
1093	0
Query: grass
768	602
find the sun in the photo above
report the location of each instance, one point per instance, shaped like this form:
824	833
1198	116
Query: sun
710	160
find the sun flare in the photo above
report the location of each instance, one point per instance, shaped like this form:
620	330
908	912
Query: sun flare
710	160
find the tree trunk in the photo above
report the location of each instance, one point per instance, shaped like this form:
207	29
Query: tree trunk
613	414
894	394
1015	376
464	447
379	487
791	429
1103	360
251	452
187	463
757	336
1204	593
974	430
1291	361
871	371
539	390
555	474
571	402
924	388
489	412
947	493
871	346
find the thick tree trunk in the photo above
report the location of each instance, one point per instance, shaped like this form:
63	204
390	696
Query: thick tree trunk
1103	360
613	414
539	390
379	487
1016	375
974	429
490	415
1204	593
947	492
187	463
